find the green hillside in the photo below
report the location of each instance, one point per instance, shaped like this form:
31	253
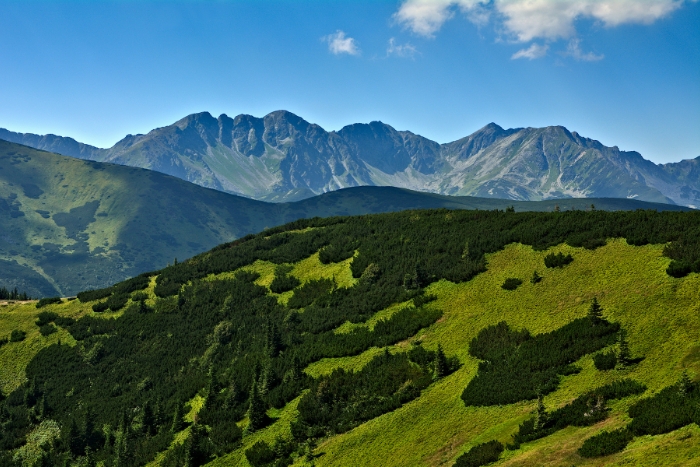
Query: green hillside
68	225
366	340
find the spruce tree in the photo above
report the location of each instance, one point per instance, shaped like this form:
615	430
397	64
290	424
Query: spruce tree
595	312
540	414
148	421
178	423
536	278
257	413
441	366
623	356
273	340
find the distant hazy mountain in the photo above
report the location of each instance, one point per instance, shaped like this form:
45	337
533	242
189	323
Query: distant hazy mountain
282	157
68	225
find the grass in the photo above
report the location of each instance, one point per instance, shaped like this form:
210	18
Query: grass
660	314
15	356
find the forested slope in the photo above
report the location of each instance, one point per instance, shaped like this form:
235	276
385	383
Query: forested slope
395	339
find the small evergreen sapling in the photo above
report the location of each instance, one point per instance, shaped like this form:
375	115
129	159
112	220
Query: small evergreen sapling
624	358
595	312
441	365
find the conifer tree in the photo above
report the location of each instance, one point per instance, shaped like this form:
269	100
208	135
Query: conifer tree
148	421
595	312
623	356
257	414
297	369
536	278
273	340
441	366
177	424
541	413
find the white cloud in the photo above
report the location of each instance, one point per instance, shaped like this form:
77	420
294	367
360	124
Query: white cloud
426	17
547	19
339	43
574	50
532	52
401	50
526	20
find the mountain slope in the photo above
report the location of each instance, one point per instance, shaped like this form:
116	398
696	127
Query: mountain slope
282	157
69	225
341	366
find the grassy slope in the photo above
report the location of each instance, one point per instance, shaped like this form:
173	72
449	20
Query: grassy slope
660	314
133	220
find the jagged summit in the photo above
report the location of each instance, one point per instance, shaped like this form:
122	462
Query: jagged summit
283	157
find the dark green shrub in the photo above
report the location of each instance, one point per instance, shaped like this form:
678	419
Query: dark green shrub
536	278
593	243
139	297
505	353
92	295
606	443
481	454
511	283
46	317
100	307
341	250
64	321
422	299
139	282
558	260
166	288
284	283
678	269
671	408
247	276
605	361
17	335
307	293
260	454
47	329
586	410
48	301
117	301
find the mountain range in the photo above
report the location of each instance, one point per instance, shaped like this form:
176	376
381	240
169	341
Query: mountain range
282	157
68	225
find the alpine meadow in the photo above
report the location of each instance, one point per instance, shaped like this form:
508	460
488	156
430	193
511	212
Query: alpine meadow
522	338
398	233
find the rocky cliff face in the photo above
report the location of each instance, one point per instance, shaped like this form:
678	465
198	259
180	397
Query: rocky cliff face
282	157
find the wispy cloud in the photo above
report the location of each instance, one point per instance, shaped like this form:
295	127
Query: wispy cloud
531	53
426	17
401	50
574	50
339	43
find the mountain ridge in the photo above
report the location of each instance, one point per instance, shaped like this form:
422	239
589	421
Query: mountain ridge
282	157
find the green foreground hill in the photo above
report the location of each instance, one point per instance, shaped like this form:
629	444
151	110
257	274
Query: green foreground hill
375	340
68	225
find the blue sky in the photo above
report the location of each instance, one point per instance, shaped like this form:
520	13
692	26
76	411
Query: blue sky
625	72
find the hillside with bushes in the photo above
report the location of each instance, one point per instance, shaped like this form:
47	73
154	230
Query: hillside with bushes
431	337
